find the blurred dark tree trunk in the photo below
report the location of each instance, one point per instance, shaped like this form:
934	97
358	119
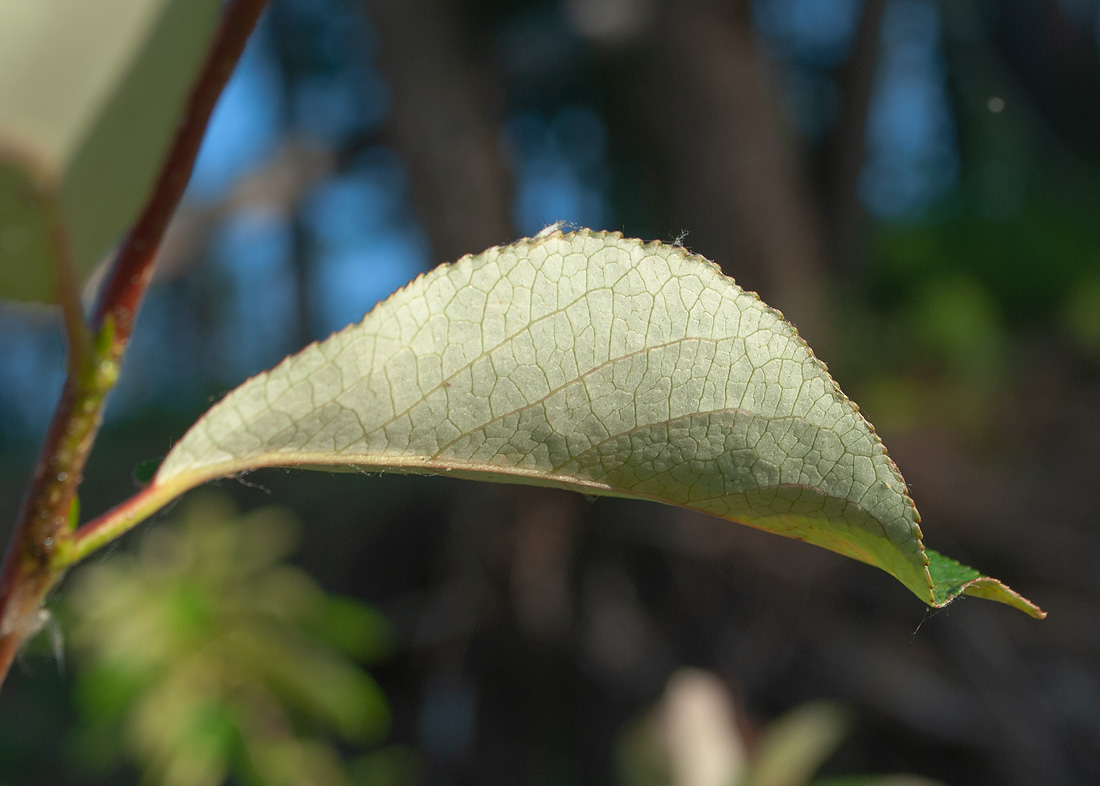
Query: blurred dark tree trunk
848	145
283	31
724	154
1031	74
1046	53
445	124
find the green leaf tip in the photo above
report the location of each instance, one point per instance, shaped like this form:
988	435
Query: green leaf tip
950	579
595	363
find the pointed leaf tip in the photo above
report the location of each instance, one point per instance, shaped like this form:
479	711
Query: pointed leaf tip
596	363
950	579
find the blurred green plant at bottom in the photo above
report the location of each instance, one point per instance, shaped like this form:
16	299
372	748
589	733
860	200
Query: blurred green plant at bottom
201	657
693	737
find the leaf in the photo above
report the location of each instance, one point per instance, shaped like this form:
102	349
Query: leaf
143	473
90	94
793	747
595	363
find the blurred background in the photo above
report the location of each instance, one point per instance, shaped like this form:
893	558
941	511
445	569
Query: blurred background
914	183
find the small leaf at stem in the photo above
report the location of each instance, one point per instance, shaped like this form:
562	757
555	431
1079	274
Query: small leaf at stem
145	471
589	362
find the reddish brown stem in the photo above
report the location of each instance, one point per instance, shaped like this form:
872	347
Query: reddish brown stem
28	573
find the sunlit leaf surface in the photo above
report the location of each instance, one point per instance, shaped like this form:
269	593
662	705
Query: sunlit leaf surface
594	363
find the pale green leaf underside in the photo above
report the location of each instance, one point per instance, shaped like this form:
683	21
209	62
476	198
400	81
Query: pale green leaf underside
595	363
90	94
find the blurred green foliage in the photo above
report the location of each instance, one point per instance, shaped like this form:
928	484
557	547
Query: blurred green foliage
936	329
696	736
201	656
